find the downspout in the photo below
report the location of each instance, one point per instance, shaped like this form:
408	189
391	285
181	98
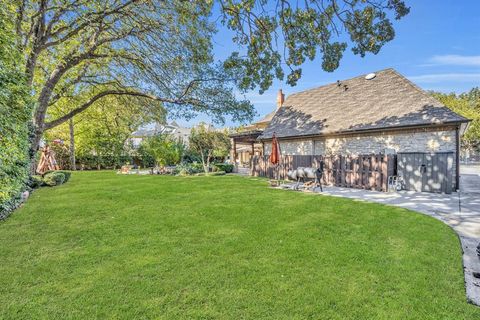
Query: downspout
457	158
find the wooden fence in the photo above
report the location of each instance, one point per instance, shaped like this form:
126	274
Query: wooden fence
362	171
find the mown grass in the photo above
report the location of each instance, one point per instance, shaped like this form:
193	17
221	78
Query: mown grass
142	247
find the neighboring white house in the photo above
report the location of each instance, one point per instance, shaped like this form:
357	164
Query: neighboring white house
173	129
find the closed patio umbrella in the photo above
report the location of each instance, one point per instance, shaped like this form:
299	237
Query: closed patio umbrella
275	156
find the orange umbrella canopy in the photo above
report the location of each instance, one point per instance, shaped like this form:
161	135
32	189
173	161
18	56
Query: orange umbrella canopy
275	154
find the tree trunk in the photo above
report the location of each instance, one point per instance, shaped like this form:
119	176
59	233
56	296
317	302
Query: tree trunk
72	146
37	137
205	168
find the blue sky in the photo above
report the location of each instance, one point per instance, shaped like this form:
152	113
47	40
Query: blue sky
437	46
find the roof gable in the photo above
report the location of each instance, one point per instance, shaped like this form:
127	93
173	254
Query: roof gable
386	101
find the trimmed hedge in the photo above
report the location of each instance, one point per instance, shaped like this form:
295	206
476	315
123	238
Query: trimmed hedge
228	168
55	178
67	174
36	182
91	162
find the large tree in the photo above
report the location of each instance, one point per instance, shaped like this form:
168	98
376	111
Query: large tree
162	50
164	148
104	128
468	105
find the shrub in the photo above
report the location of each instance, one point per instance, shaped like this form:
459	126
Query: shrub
36	182
67	175
186	169
228	168
91	162
54	178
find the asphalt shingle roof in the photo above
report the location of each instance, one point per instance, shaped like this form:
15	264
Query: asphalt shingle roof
386	101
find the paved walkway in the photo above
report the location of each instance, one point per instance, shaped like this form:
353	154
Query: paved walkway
459	210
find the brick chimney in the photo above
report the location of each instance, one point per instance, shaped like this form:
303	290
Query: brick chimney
280	98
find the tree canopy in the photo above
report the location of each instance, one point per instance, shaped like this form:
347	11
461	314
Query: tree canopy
85	50
468	105
104	128
279	36
208	143
164	148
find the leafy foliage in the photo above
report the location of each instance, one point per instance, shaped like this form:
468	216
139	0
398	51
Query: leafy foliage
186	169
78	53
15	115
97	162
165	149
227	167
61	155
82	52
36	181
54	178
103	130
208	143
287	33
146	158
468	105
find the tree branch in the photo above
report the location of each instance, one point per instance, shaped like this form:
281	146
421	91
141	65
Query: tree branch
100	95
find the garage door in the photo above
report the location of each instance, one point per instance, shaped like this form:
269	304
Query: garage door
427	172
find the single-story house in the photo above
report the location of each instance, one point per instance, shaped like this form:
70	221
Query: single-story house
378	113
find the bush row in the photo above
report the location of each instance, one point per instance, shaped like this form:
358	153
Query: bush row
195	168
50	178
228	168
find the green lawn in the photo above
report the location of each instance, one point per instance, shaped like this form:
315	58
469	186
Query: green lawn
133	247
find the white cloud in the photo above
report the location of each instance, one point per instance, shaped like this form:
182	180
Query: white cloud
446	77
455	60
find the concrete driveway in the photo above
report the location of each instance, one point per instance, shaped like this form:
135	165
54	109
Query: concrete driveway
460	210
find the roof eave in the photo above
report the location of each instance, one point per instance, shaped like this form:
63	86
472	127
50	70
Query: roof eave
245	133
370	130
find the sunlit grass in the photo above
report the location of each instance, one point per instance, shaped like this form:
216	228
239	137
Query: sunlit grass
228	247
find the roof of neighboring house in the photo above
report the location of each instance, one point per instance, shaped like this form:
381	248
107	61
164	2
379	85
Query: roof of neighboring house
143	133
172	128
389	100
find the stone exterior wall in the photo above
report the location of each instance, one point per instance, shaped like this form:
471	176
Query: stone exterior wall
400	141
419	140
292	147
